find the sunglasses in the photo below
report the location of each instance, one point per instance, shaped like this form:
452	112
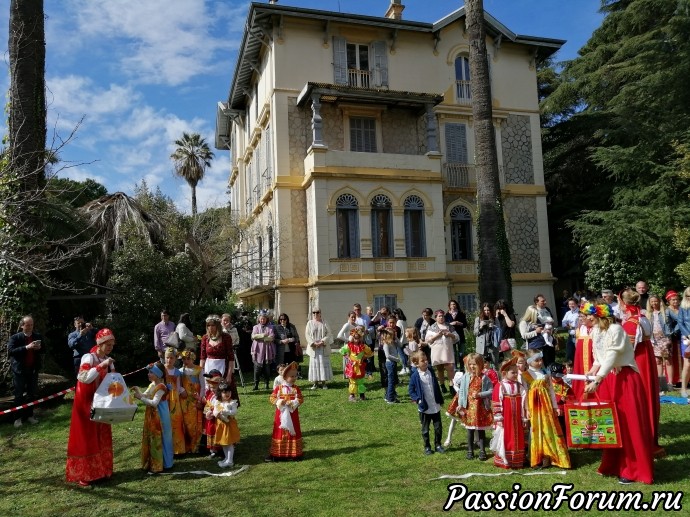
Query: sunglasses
316	312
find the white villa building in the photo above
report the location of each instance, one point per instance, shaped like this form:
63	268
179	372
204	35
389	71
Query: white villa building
351	146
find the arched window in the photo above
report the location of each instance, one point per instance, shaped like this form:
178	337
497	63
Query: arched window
462	79
381	226
347	221
461	233
415	238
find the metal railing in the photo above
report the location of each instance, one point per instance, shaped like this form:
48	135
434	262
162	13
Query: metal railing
463	92
457	174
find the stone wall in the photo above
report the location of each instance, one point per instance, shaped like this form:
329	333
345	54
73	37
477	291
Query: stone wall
299	135
298	220
400	132
523	234
516	140
333	131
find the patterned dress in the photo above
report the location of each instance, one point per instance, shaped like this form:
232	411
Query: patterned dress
284	443
510	408
191	409
584	358
476	415
174	384
156	438
90	445
546	436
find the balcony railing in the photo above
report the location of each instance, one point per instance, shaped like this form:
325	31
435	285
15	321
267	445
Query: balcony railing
464	174
457	174
463	92
363	78
267	179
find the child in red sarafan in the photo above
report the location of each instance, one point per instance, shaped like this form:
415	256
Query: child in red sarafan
213	379
286	442
509	403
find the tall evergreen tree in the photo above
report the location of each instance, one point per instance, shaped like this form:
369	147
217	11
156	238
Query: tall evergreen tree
626	104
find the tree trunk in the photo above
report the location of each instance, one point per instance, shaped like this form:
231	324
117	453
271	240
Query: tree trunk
193	199
27	120
494	254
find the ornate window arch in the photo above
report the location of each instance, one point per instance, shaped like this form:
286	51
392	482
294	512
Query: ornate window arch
415	235
347	224
461	233
381	226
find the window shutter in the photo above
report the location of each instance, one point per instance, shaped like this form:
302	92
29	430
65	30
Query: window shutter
339	60
379	50
456	143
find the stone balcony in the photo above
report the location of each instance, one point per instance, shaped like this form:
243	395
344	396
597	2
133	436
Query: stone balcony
321	159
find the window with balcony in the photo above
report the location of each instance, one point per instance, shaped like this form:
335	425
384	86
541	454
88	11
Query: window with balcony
415	239
360	65
347	222
381	227
456	169
461	233
363	134
463	93
387	300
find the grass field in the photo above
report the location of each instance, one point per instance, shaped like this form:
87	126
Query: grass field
361	459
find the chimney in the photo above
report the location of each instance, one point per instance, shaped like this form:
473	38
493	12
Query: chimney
395	10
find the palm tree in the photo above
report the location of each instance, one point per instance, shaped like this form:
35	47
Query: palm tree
494	252
191	158
108	216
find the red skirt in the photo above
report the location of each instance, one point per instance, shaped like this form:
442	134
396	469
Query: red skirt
283	444
583	362
635	459
646	363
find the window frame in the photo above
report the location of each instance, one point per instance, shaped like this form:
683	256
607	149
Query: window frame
461	217
381	224
415	240
347	211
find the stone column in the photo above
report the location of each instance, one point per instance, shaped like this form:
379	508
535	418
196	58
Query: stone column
316	121
431	130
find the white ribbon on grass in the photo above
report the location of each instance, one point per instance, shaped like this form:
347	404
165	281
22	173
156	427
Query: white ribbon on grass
483	474
206	473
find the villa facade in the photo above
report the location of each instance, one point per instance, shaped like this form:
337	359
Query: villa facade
351	146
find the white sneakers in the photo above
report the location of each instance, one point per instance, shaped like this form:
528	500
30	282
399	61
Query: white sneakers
32	420
18	423
404	371
225	464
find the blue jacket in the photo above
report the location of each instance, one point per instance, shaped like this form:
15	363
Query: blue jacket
417	392
684	321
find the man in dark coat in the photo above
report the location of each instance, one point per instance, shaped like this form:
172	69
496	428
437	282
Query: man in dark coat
25	351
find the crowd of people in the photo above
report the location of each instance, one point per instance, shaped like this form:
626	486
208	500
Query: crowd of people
513	387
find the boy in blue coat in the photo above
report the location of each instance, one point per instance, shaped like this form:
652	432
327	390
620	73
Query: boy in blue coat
426	392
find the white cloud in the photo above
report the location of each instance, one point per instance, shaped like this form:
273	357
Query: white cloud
161	41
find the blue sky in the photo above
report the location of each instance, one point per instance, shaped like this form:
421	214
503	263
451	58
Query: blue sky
135	74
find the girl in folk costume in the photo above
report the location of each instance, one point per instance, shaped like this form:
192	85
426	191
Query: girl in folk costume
156	438
173	380
474	404
213	379
227	431
509	403
90	445
584	356
286	442
356	353
217	353
613	354
547	444
193	405
639	332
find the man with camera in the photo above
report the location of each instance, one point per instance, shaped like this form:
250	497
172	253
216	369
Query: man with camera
24	349
81	341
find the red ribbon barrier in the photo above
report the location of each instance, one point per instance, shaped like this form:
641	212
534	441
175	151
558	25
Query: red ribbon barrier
54	395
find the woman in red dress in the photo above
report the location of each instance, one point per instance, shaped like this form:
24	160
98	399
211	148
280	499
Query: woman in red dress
639	331
90	445
616	371
583	354
217	353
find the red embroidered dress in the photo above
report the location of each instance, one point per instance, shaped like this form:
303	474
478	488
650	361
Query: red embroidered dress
285	445
90	445
509	407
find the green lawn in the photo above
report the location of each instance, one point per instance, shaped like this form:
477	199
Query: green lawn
361	459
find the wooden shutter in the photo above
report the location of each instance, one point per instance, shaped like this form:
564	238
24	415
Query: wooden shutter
456	143
379	50
339	60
